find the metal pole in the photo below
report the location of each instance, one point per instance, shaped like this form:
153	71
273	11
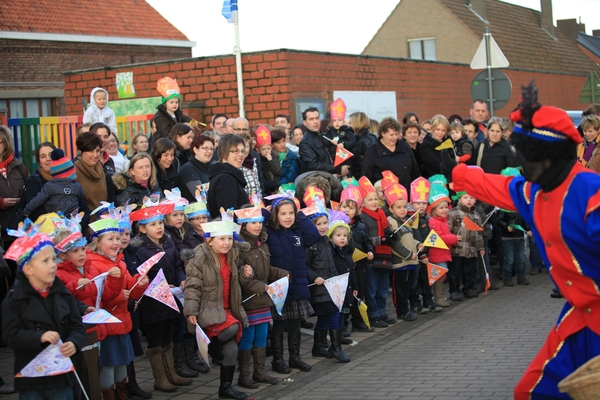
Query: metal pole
238	68
488	55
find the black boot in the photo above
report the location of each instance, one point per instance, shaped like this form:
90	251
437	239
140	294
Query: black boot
226	390
278	364
320	344
132	384
294	349
191	356
336	347
215	350
181	366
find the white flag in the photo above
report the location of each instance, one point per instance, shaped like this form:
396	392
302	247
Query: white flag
337	287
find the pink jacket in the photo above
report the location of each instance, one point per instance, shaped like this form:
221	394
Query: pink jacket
442	228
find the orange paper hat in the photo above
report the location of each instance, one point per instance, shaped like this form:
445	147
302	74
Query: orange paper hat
263	136
388	178
338	109
168	88
310	193
394	192
419	190
365	186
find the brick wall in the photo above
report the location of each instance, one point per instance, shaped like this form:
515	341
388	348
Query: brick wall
274	79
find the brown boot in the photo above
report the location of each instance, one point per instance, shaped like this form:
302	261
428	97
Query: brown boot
245	380
438	294
155	355
169	364
123	391
109	394
260	375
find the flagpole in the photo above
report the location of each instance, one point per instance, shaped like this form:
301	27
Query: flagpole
406	222
237	50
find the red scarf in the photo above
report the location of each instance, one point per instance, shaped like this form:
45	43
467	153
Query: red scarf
4	164
382	224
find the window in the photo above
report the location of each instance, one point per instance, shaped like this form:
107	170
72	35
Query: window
422	49
27	108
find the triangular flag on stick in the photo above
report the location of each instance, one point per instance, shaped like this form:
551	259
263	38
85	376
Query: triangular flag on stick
488	284
341	155
203	342
159	290
414	222
364	312
434	240
99	281
435	272
358	255
100	316
277	291
447	144
336	287
470	225
149	263
517	227
334	204
48	363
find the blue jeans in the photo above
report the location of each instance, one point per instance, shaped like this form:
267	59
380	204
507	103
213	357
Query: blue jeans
514	256
535	257
254	335
377	284
55	394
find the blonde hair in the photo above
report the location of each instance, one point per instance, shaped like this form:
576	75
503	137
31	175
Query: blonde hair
591	121
141	156
440	119
6	138
359	121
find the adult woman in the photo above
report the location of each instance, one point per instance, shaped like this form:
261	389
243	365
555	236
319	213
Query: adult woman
410	117
139	144
39	178
195	171
13	175
389	153
227	182
90	172
290	163
431	157
138	182
182	136
360	123
297	134
163	155
494	153
587	152
410	133
425	130
112	148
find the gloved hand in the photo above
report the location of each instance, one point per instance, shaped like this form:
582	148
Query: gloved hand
447	164
395	236
385	241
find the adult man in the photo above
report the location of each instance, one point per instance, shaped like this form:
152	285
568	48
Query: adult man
479	113
252	160
283	121
217	123
229	126
240	125
314	150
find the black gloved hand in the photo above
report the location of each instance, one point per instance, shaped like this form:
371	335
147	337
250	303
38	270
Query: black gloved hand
394	236
384	240
447	164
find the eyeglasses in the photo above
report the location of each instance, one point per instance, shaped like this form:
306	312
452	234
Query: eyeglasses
207	149
241	130
112	141
238	151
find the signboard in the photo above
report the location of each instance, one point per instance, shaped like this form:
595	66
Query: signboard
501	88
377	105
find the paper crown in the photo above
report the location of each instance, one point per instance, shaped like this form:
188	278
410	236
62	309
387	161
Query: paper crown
153	213
288	195
61	166
550	124
168	88
419	190
225	227
286	187
438	194
104	207
311	193
123	216
174	196
30	241
103	226
438	179
388	178
349	182
365	186
395	192
337	109
458	195
337	218
256	199
351	193
263	136
510	171
316	209
250	214
75	239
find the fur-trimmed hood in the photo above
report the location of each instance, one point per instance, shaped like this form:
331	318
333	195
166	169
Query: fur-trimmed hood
122	180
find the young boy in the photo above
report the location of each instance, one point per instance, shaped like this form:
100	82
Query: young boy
270	166
40	311
99	111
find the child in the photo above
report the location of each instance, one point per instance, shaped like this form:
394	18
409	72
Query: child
463	147
377	271
404	252
213	298
467	251
350	202
39	311
258	307
438	222
587	151
116	351
169	111
197	215
319	267
290	233
176	224
271	168
62	193
98	111
338	132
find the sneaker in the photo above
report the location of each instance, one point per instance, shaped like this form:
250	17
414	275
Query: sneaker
509	282
419	309
379	323
362	327
409	316
521	280
456	296
471	294
389	320
433	308
535	272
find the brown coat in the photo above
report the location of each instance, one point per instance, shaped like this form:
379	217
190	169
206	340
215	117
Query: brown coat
472	241
594	161
204	288
11	186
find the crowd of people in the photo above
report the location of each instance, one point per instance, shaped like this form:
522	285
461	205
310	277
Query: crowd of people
233	210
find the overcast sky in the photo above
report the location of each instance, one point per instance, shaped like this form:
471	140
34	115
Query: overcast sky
321	25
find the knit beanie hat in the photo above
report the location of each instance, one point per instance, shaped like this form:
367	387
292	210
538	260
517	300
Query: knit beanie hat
61	166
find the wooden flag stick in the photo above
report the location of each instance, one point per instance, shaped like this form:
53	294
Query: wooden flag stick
406	222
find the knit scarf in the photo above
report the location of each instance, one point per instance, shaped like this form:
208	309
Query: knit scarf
588	151
382	224
249	161
4	164
45	175
93	182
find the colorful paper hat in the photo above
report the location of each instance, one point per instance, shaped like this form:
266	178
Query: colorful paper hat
250	214
316	209
30	242
104	207
337	109
351	193
550	124
510	171
123	215
395	192
287	187
437	195
103	226
311	193
278	198
349	182
256	199
153	213
61	166
198	208
225	227
388	178
75	238
365	186
419	190
337	218
263	136
458	195
168	88
174	196
438	179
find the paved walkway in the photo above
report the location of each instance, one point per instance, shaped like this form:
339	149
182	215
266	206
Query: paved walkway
476	349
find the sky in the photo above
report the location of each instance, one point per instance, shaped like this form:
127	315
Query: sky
308	24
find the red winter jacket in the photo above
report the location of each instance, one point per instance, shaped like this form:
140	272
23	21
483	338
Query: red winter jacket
69	275
441	227
118	305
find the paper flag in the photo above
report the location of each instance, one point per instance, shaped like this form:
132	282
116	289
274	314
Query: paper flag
358	255
364	313
178	293
278	291
414	223
470	225
517	227
336	287
341	155
434	240
447	144
100	316
160	291
48	363
99	281
487	276
334	205
203	342
149	263
435	272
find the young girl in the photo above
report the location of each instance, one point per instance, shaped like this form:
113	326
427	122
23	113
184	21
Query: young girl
139	144
290	233
254	337
438	221
169	111
157	317
213	298
463	146
116	351
197	215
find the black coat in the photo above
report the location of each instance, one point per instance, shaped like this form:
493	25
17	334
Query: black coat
164	122
189	240
364	140
182	155
430	157
12	185
494	158
315	153
345	135
32	187
167	179
26	316
360	238
320	263
190	175
342	257
506	219
128	189
227	185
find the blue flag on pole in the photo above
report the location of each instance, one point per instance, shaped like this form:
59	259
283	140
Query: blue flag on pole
229	7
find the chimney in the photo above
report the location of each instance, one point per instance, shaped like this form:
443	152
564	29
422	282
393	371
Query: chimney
596	33
547	20
568	27
478	6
